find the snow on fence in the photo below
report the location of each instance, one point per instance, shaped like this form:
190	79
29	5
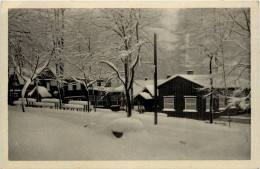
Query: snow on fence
19	102
28	101
73	106
42	104
55	101
84	103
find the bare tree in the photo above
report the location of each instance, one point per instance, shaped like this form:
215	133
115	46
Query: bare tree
223	36
126	27
28	42
29	75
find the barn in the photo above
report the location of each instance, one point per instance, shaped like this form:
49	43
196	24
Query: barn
186	96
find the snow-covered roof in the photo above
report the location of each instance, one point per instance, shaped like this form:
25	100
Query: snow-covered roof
150	88
139	86
42	91
11	72
218	82
149	82
136	89
146	95
53	70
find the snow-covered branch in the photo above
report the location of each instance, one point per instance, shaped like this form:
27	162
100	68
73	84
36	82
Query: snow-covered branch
110	64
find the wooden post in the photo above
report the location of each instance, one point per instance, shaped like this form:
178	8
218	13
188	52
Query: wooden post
155	80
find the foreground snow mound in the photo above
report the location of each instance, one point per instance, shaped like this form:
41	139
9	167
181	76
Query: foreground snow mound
125	125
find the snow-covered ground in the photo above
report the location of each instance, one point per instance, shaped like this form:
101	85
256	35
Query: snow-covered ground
50	134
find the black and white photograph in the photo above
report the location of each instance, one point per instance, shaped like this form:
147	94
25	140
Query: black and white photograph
131	83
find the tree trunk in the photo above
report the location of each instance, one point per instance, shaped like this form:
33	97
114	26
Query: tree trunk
88	100
12	100
129	106
14	85
24	91
59	94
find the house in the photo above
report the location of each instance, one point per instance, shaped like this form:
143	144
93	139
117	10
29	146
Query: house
143	93
145	97
77	91
16	83
48	80
186	95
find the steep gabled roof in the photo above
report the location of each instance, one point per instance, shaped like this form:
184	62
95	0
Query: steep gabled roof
146	95
42	91
139	86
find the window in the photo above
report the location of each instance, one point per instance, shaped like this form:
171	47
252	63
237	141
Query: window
168	103
190	104
70	87
231	106
99	101
114	102
222	103
48	86
78	87
53	83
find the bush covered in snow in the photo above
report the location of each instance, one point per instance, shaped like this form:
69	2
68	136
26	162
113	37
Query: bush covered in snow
124	125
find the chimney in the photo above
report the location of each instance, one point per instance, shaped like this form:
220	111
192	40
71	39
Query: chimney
190	72
145	78
168	76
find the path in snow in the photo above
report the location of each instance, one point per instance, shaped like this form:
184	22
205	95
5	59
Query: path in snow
51	134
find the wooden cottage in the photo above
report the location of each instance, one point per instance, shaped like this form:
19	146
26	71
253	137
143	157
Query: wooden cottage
76	91
145	97
16	83
186	96
143	94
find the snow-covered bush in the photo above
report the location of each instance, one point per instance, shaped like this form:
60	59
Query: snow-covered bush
125	125
239	102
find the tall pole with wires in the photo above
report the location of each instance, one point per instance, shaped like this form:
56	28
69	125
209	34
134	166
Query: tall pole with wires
155	80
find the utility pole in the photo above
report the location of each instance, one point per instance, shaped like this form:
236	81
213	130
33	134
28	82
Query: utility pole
211	91
155	79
